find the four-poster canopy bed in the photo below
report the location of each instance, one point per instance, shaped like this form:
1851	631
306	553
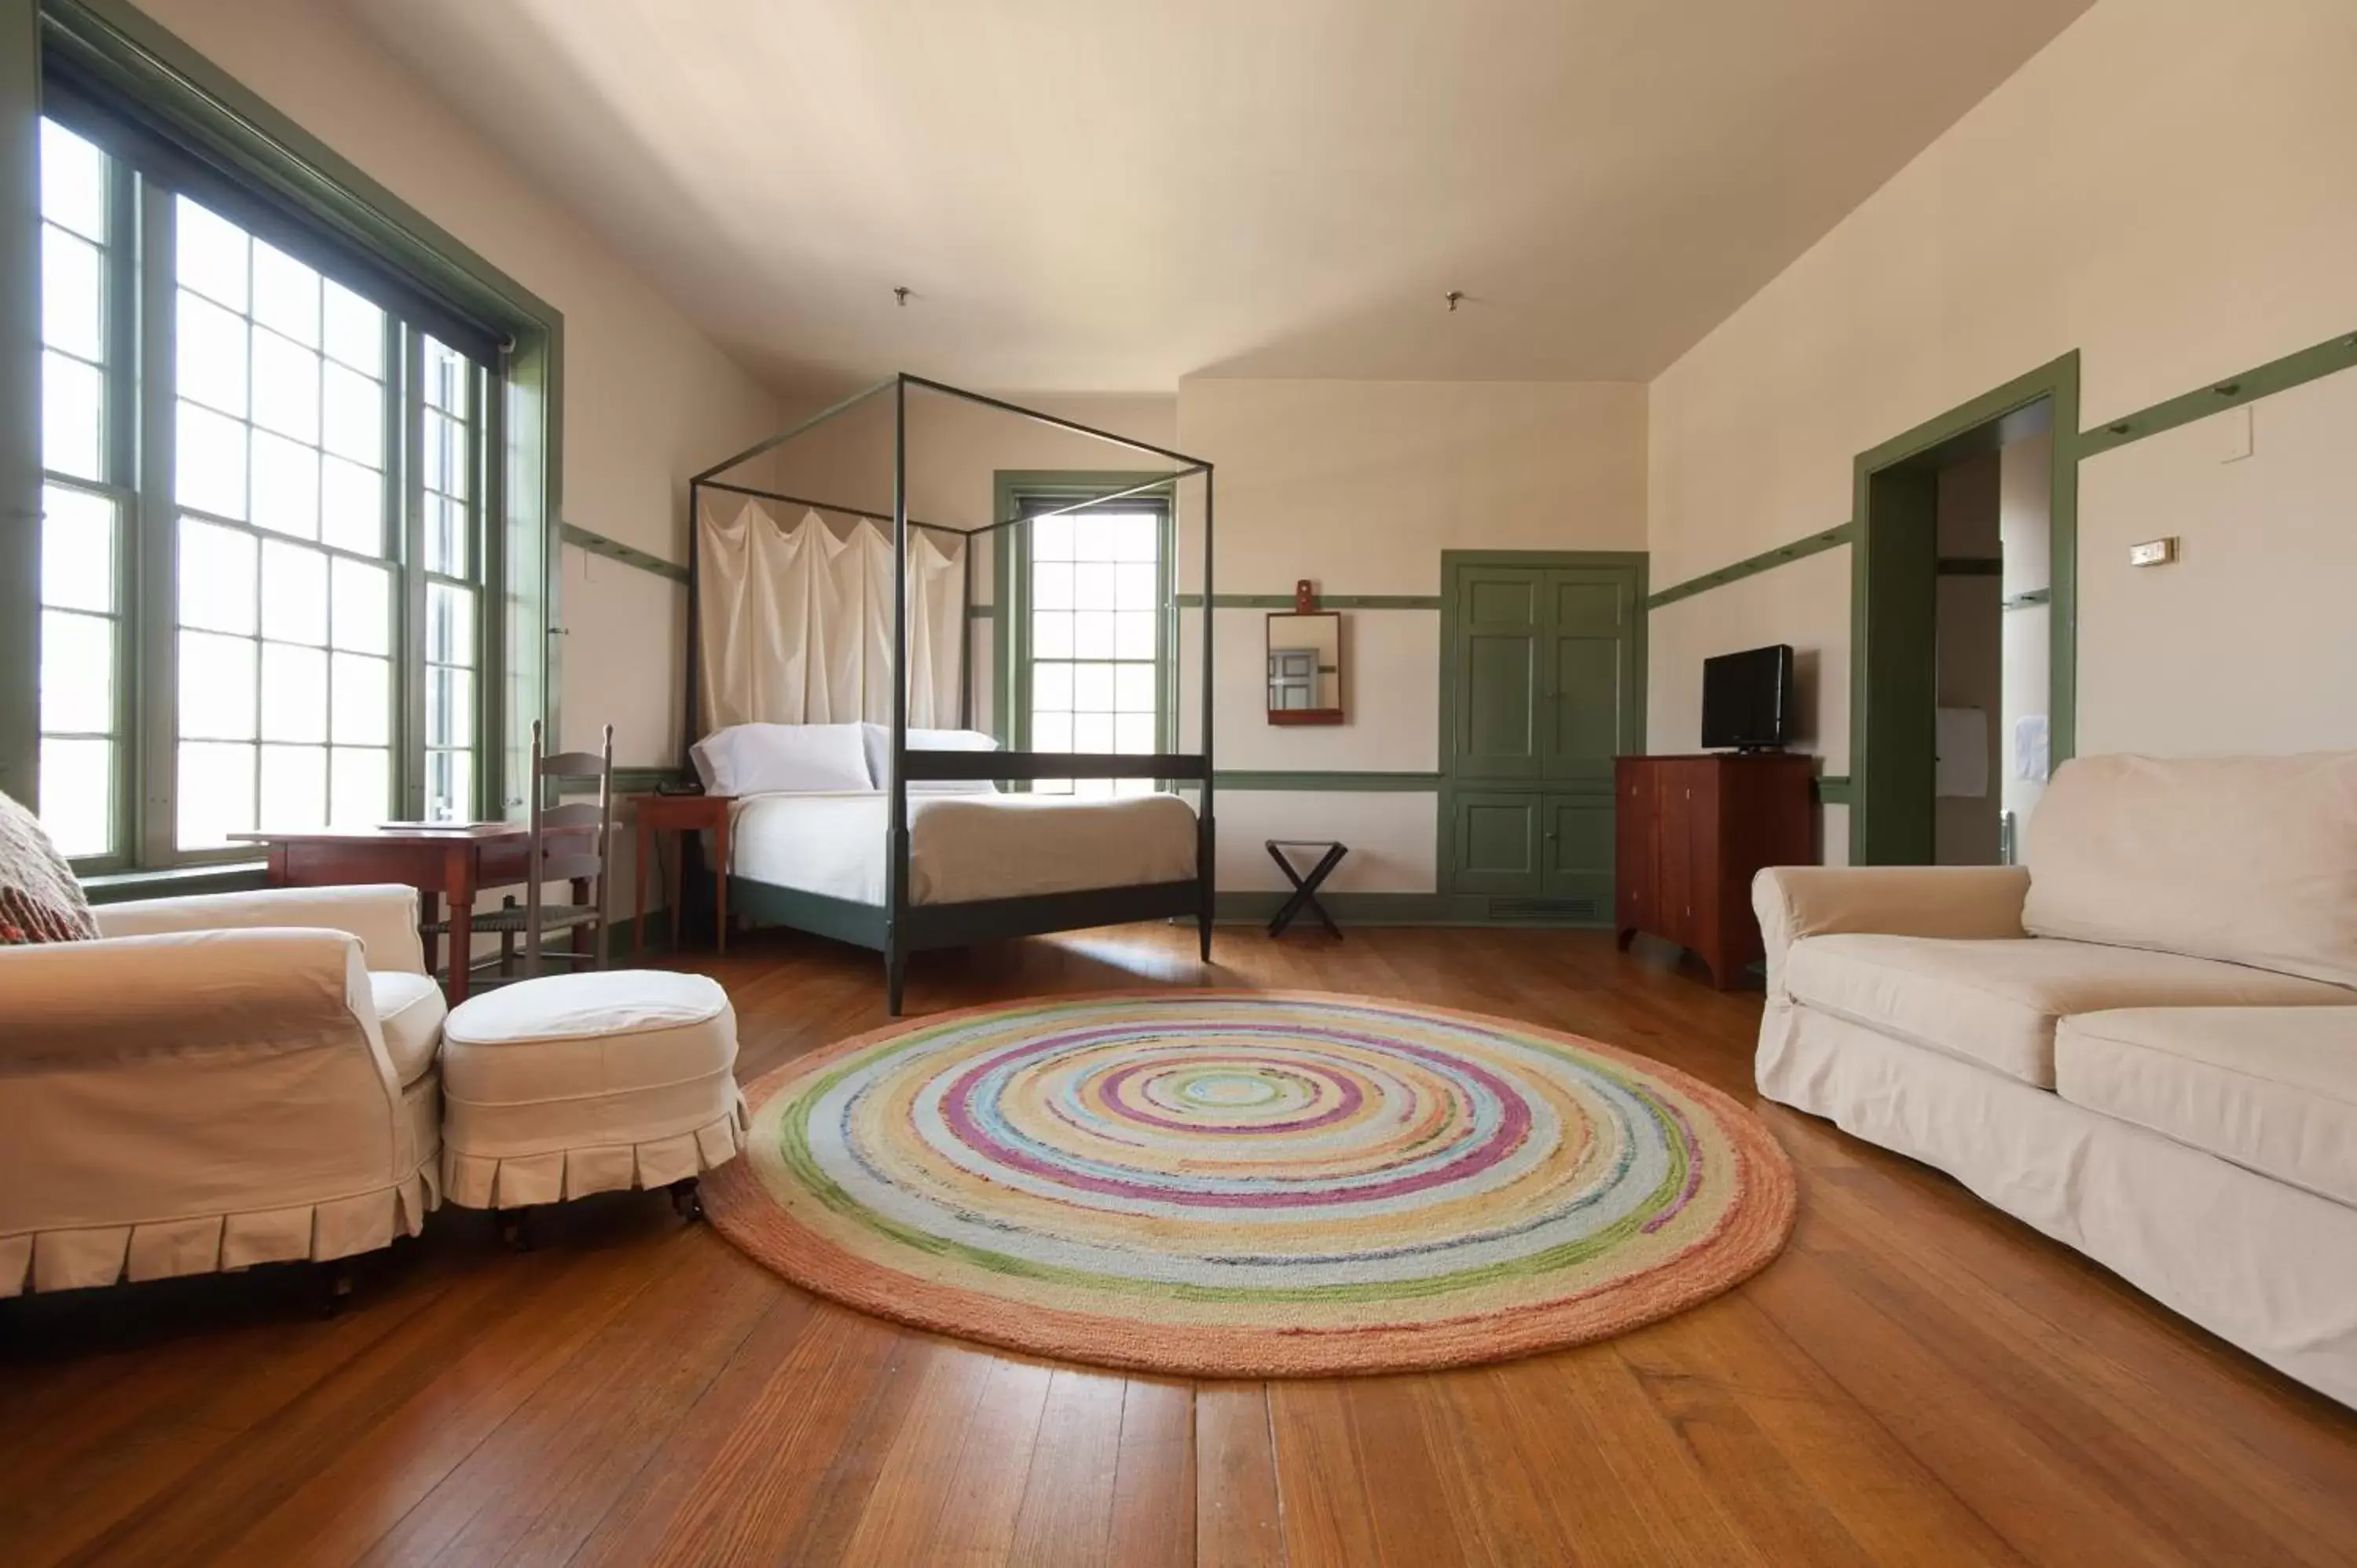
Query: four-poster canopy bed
953	868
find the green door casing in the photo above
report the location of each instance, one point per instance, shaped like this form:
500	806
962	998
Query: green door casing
1541	674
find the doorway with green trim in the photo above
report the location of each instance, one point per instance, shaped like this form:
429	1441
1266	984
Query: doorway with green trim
1914	613
1541	685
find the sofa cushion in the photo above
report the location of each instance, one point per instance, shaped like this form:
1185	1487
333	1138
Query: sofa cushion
1995	1002
2248	859
2272	1088
409	1009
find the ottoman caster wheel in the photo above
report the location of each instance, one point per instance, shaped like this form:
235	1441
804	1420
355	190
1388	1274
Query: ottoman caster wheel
515	1229
687	1199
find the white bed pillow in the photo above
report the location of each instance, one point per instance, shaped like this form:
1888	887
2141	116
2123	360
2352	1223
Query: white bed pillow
878	738
765	759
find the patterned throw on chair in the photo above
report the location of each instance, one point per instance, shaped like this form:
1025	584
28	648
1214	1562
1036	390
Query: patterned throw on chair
40	899
1231	1184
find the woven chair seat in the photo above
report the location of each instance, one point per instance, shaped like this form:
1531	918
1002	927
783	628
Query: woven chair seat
518	918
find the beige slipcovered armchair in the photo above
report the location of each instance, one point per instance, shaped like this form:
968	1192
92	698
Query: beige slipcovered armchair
218	1081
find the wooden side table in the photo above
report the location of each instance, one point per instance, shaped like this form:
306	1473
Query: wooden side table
683	814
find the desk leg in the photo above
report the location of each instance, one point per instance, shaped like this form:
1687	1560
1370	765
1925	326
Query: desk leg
429	907
671	902
645	841
720	885
460	874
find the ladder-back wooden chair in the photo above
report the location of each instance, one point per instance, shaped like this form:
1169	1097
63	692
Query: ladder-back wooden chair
535	919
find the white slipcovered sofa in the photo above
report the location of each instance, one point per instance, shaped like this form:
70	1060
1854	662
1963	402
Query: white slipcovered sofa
2142	1042
218	1081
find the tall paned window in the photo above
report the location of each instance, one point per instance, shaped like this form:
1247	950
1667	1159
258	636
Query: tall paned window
1095	655
83	686
262	504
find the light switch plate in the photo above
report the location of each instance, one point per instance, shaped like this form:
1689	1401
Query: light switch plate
2153	552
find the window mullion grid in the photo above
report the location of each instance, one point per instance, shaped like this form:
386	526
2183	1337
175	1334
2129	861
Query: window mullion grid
478	555
404	415
118	468
494	669
155	528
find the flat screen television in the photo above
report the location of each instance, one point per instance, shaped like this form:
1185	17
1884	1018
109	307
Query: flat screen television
1746	700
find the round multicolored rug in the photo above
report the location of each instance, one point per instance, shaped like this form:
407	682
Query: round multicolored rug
1231	1184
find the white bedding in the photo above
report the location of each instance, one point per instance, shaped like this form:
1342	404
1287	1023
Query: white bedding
963	847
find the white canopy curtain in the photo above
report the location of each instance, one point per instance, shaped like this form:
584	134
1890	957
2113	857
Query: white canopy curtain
797	622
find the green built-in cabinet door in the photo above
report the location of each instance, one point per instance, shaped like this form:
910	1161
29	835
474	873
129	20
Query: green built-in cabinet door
1576	849
1498	837
1587	645
1542	673
1496	670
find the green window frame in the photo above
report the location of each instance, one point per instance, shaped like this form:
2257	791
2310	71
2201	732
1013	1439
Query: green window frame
1017	649
501	663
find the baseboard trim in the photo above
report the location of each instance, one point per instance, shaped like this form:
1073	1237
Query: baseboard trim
1255	907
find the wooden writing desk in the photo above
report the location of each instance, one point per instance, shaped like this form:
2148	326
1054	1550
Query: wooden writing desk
455	862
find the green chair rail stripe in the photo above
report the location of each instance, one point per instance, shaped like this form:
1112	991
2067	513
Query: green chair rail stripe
1325	601
614	550
1834	790
1359	782
2312	363
2293	369
1766	560
2029	597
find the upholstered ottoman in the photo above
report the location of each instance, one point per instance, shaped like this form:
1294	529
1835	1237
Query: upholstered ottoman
570	1084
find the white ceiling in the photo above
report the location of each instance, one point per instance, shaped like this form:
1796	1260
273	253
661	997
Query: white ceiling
1106	194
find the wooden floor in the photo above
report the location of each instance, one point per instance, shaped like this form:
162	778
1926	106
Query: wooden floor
1917	1380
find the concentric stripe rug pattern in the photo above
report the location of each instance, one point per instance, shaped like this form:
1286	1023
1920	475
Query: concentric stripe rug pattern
1235	1183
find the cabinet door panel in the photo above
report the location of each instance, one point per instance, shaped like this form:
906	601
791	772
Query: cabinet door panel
1497	842
1499	674
1576	849
1586	678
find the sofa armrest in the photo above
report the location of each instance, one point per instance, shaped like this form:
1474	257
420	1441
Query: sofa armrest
384	917
127	998
1961	901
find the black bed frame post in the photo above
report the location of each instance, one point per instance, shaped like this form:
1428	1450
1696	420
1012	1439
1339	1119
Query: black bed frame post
694	630
896	892
966	642
1207	835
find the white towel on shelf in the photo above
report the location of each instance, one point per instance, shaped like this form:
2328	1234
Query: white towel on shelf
1962	743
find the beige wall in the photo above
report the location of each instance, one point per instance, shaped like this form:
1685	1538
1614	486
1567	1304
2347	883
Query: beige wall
2165	188
1360	485
2249	642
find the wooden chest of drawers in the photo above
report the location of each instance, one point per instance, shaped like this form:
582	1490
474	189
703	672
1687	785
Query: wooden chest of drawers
1691	833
